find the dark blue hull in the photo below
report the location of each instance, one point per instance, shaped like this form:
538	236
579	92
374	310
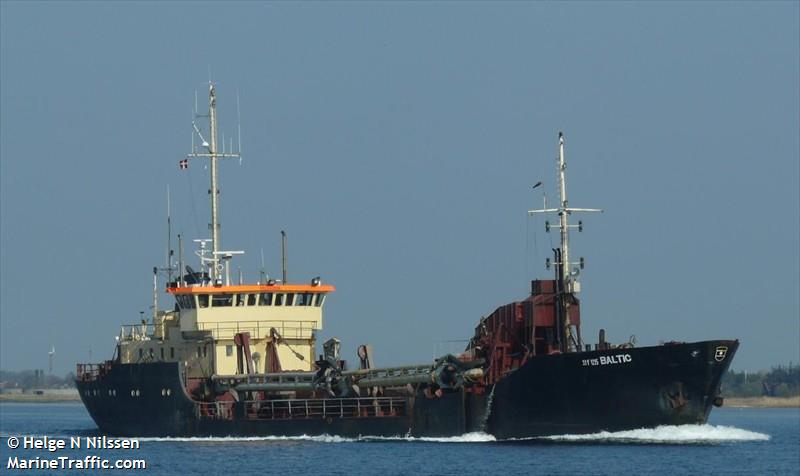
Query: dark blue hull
572	393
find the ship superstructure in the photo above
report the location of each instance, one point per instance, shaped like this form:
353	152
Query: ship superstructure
212	315
232	358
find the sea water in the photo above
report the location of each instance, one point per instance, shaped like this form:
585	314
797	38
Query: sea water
735	441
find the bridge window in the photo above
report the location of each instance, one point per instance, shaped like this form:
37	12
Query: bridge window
279	299
303	299
290	299
202	300
221	300
141	353
228	350
172	352
185	302
265	299
320	299
162	353
241	299
251	299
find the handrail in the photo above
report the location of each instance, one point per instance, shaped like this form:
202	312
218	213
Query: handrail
136	332
259	329
359	407
91	372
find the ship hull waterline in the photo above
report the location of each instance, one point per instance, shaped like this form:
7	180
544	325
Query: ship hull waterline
572	393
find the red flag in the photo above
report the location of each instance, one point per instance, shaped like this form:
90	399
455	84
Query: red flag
184	164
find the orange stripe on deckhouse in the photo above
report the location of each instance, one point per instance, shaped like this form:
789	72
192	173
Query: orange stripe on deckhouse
254	288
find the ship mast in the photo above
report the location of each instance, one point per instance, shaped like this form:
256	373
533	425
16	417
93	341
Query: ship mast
563	211
213	156
563	214
567	276
214	191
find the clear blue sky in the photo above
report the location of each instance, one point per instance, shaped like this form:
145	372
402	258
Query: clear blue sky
397	144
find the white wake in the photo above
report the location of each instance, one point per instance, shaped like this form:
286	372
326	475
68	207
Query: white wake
232	439
683	434
465	438
669	434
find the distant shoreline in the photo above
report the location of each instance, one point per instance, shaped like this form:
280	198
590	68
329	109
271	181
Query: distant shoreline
44	398
762	402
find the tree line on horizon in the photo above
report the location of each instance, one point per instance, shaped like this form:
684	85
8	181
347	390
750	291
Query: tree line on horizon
28	379
780	381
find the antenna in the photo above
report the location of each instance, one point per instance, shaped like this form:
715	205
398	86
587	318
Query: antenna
201	253
155	293
204	142
226	257
239	124
263	273
283	255
180	259
169	267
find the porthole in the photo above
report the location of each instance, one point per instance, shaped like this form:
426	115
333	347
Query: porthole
163	392
133	393
169	392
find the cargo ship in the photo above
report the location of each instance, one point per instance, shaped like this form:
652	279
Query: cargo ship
235	359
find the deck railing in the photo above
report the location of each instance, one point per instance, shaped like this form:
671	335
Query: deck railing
214	410
365	407
90	372
259	329
136	332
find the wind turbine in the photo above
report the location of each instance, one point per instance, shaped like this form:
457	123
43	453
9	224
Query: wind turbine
50	358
